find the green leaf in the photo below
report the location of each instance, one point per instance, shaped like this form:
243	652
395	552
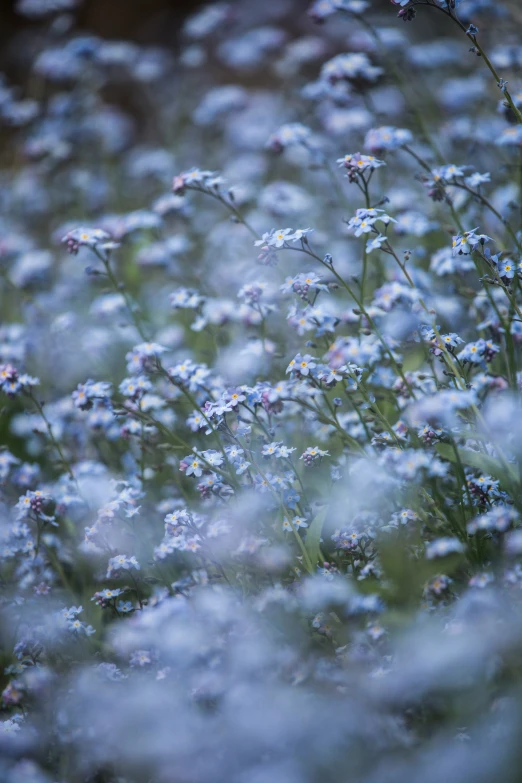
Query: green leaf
313	535
506	474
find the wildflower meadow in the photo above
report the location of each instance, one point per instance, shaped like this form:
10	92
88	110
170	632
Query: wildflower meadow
261	396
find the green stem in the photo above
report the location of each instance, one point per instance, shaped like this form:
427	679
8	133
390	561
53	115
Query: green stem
53	440
480	50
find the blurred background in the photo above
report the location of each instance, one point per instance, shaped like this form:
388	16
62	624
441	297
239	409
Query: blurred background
112	17
145	21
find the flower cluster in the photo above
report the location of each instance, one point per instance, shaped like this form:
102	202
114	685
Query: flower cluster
261	487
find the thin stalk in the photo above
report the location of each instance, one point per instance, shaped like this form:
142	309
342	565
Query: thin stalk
473	38
53	440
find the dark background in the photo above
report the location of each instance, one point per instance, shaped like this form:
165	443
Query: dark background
158	22
144	21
